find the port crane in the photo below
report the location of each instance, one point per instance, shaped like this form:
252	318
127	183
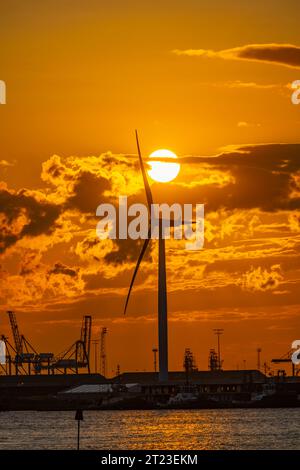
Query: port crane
15	331
77	356
287	358
23	354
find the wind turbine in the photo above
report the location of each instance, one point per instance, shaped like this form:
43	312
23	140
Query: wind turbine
162	282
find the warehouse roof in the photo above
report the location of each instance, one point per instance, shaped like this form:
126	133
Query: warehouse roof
197	377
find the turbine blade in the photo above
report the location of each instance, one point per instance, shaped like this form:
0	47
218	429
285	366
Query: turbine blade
175	223
146	242
146	183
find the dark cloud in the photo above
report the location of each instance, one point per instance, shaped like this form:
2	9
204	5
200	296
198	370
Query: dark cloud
281	54
60	268
261	176
23	215
30	263
88	192
285	54
127	251
264	177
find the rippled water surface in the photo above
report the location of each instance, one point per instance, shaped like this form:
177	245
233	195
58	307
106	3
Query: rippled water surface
169	429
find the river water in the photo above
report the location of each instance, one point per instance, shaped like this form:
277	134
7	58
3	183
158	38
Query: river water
165	429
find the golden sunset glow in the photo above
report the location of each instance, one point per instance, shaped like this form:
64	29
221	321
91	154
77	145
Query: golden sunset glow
162	171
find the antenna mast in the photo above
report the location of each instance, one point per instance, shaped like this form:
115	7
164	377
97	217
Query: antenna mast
103	351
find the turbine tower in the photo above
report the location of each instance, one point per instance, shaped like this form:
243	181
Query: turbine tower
162	282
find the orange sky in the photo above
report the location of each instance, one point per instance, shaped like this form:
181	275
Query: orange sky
200	78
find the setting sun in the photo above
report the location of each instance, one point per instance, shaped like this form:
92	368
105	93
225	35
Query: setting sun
162	171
